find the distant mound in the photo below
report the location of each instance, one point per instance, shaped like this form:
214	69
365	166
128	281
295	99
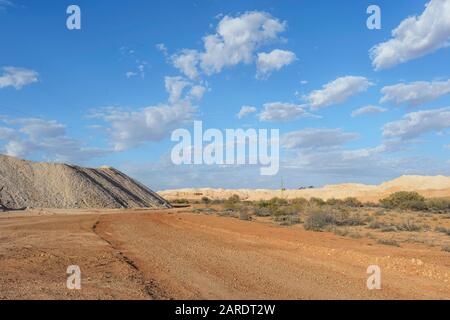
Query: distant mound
49	185
428	186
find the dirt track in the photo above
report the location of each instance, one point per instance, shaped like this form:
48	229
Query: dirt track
171	254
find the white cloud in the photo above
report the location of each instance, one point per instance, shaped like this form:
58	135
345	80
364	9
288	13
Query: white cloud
235	41
337	91
415	93
7	133
175	86
415	36
131	74
415	124
130	129
275	60
197	92
46	137
17	77
187	62
282	112
245	111
316	138
237	38
367	109
162	47
447	146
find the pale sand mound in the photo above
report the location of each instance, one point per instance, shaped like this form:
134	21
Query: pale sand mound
428	186
48	185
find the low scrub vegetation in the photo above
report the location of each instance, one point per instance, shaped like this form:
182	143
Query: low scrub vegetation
395	216
405	200
389	242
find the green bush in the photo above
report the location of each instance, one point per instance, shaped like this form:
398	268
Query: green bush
206	200
352	202
180	201
440	205
404	200
317	221
317	202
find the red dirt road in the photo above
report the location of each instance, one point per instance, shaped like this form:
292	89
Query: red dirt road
175	255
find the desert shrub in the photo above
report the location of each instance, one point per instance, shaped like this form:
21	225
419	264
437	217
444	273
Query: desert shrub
205	210
318	220
442	230
280	211
334	202
243	215
276	207
389	242
206	200
288	220
355	220
299	202
278	202
180	201
404	200
389	229
352	202
370	204
262	212
376	225
439	205
446	248
234	199
409	226
317	202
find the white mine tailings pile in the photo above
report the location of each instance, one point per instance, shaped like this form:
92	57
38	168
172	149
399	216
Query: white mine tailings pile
26	184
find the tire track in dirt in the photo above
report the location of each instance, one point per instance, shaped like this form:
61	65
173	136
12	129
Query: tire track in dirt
151	289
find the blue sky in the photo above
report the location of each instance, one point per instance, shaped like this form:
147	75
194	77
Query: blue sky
106	94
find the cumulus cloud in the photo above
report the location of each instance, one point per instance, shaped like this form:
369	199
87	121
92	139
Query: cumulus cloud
337	91
245	111
17	77
415	37
316	138
367	110
275	60
130	129
46	137
282	112
414	124
187	62
415	93
235	41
